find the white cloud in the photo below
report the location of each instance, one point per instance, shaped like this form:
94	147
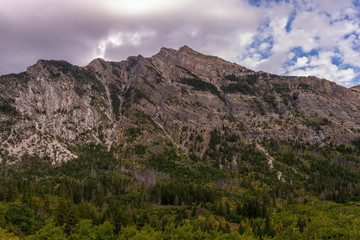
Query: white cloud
321	66
140	7
301	62
330	72
334	7
347	50
319	27
119	39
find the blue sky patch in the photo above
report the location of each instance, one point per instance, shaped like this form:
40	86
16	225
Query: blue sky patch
290	20
258	3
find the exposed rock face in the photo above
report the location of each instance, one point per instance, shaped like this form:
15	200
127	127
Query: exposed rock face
54	105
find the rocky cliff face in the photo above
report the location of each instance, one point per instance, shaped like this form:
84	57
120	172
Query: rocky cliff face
174	97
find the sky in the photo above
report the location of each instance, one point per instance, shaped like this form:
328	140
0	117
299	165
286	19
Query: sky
286	37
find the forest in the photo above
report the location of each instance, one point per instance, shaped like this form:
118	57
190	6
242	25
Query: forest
230	192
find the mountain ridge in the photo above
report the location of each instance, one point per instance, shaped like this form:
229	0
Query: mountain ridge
356	88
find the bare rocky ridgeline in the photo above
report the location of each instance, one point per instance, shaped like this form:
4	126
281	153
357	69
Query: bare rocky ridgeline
172	97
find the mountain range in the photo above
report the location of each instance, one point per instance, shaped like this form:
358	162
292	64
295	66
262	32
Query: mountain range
176	97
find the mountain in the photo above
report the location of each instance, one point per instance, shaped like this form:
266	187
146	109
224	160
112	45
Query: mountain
180	145
173	96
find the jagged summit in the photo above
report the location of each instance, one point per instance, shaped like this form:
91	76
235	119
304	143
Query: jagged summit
44	62
97	61
56	105
205	66
184	48
50	67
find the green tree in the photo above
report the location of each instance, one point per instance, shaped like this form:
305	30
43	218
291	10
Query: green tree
48	231
228	210
84	230
118	215
194	210
105	231
66	215
146	232
20	216
4	235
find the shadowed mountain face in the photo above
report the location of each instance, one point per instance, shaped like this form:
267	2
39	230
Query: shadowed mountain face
175	97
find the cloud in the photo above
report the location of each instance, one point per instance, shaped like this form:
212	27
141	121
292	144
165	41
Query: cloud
260	34
80	30
306	36
321	65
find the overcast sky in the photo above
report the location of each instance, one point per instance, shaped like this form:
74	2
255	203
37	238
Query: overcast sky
292	37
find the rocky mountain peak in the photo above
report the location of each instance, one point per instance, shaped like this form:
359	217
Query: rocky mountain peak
186	48
50	68
97	62
182	52
208	67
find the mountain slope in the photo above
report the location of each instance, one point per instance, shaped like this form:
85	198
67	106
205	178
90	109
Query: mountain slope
176	96
356	88
179	144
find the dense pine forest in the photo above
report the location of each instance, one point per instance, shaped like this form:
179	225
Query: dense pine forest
138	194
